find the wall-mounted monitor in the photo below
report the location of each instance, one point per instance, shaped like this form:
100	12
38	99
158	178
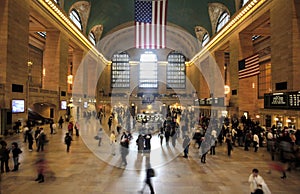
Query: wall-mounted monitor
18	106
63	105
85	104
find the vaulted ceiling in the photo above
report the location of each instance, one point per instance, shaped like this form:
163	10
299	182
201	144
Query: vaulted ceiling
184	13
187	21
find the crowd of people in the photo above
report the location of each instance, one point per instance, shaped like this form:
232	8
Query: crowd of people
206	133
203	132
34	137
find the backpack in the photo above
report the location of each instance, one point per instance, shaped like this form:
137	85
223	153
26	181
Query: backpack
151	172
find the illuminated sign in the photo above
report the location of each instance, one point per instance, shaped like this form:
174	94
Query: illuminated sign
278	100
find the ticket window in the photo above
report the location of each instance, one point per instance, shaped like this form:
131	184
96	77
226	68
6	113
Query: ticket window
291	122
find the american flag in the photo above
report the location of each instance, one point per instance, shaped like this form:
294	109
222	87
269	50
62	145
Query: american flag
249	66
150	23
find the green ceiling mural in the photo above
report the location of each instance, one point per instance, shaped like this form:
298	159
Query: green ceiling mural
185	13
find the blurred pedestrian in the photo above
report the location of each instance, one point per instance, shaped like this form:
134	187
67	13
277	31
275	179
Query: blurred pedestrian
30	139
204	149
124	146
147	138
186	145
229	144
110	122
161	135
25	130
60	122
140	143
41	140
213	142
36	134
40	167
99	136
68	140
77	127
16	151
4	157
51	126
257	183
255	142
113	141
150	173
279	167
70	128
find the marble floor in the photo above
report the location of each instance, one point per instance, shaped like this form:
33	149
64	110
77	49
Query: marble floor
88	168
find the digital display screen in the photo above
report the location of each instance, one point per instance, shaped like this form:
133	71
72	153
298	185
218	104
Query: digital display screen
294	100
18	106
85	104
63	105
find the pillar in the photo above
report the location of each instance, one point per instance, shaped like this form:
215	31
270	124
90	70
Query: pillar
56	61
285	42
14	35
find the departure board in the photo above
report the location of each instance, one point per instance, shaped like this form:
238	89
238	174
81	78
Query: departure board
120	71
287	100
294	100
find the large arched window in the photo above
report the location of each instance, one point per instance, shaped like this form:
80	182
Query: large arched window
244	2
92	38
205	39
176	71
223	19
120	71
74	16
148	71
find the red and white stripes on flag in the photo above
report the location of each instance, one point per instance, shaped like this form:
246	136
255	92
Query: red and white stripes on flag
249	66
150	24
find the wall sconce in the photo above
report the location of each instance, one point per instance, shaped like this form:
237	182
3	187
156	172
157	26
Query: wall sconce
44	72
276	119
29	63
70	79
29	66
226	89
257	116
95	100
71	99
253	85
288	120
79	100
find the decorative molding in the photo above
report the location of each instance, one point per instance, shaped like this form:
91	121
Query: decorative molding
200	31
215	10
97	30
83	8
